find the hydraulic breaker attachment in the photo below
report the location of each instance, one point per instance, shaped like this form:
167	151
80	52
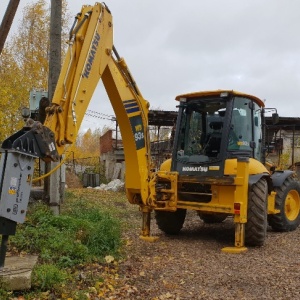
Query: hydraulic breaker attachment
16	168
16	175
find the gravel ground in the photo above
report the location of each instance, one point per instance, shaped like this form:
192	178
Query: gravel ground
192	266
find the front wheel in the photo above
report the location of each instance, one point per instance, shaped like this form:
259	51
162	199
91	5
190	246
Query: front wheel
256	226
288	202
170	222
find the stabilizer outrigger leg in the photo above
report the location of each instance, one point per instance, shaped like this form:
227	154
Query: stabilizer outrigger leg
240	206
239	244
146	223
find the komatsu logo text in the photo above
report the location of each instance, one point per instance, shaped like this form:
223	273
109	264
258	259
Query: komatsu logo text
195	169
92	54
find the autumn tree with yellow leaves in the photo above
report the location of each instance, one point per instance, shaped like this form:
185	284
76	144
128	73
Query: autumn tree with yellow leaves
86	150
24	63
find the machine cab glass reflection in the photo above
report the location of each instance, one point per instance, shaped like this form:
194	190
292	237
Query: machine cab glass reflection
201	129
209	126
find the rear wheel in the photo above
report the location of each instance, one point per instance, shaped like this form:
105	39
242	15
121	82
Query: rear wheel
212	218
288	202
170	222
256	226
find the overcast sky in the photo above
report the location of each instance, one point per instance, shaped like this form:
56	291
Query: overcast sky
174	47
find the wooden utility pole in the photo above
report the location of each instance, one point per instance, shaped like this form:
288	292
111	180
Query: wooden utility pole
54	187
7	21
55	46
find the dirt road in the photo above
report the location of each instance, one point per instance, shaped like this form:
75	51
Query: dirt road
192	266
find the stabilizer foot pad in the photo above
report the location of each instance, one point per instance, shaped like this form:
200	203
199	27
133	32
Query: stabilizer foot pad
234	249
150	239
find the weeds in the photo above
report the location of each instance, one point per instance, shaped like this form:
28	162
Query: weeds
82	234
47	277
76	236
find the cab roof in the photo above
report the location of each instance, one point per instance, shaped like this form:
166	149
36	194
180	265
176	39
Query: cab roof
217	93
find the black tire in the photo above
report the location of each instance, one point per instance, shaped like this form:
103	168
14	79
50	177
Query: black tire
288	202
170	222
256	226
212	218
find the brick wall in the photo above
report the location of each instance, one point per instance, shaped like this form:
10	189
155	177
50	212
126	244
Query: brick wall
106	142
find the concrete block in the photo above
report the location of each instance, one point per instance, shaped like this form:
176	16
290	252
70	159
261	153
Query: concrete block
122	176
16	274
117	170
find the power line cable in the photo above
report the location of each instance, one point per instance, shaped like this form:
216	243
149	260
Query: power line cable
99	115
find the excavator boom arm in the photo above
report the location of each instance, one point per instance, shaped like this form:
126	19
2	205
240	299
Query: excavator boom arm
91	56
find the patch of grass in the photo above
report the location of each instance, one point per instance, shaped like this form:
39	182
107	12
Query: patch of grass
115	203
4	295
78	235
72	246
48	277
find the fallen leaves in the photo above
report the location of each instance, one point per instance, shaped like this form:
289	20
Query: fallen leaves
186	267
167	296
109	259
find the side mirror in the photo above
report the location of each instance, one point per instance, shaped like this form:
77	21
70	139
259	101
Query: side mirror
275	118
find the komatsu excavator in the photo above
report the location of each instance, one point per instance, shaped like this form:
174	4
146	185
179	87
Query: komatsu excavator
217	166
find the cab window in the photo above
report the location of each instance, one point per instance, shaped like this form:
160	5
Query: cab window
240	133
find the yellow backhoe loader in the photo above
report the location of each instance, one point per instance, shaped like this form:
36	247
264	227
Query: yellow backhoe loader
217	166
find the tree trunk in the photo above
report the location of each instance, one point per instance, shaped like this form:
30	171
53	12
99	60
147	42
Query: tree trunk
7	21
53	188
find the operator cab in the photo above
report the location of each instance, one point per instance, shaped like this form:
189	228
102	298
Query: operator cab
214	126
